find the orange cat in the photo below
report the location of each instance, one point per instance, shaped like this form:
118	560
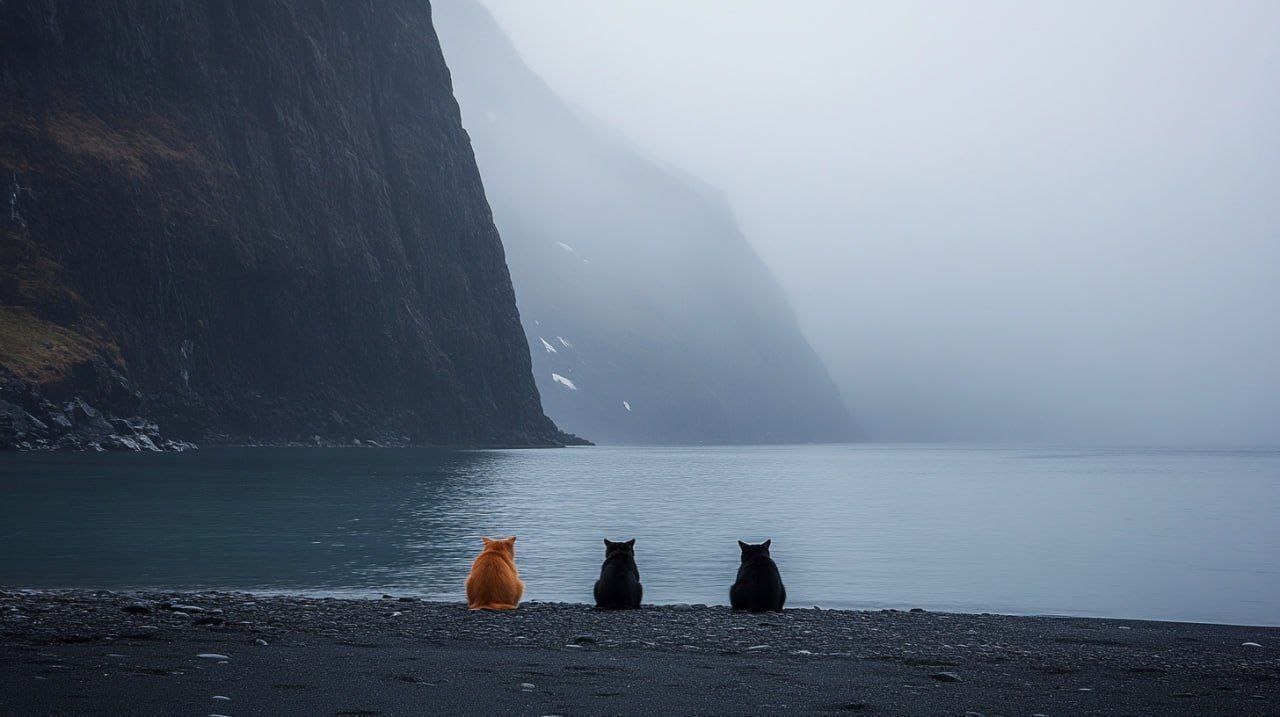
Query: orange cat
494	583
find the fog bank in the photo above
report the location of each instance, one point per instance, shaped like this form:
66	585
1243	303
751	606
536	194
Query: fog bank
996	221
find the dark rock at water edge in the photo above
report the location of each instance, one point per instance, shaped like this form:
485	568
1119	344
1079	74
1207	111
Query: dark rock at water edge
30	422
249	223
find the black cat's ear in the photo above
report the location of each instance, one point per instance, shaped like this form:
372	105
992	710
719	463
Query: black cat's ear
766	543
743	545
631	543
607	544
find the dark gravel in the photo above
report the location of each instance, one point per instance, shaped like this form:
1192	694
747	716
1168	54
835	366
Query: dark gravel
68	652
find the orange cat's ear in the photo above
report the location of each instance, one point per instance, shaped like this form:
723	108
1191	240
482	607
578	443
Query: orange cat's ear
486	540
511	540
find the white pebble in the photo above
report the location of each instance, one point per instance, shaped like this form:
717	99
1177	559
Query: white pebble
526	685
260	641
758	647
222	698
1250	644
213	656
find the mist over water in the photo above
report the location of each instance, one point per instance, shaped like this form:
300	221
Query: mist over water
996	220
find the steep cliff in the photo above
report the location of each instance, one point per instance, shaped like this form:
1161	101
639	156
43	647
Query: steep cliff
649	316
248	221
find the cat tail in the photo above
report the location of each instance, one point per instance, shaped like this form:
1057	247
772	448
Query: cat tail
494	606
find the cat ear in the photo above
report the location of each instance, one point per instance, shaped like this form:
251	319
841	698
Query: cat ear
743	545
631	543
486	540
607	544
511	540
766	543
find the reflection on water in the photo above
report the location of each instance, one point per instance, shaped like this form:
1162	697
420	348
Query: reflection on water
1163	534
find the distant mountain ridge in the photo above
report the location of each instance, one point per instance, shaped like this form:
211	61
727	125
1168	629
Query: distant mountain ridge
649	316
247	221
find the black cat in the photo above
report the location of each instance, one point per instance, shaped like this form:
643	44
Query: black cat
619	585
759	586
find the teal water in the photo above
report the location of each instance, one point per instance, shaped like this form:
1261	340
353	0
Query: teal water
1161	534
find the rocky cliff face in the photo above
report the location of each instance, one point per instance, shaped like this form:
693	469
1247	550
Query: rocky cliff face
649	316
248	221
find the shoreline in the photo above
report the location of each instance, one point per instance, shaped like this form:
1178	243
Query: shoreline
70	651
354	595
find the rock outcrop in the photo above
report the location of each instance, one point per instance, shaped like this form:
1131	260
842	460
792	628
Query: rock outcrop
247	221
650	317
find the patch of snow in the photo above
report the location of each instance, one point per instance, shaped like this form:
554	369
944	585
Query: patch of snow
626	405
547	345
564	342
563	381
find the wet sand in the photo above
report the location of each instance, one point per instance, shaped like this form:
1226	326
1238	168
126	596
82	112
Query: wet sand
77	652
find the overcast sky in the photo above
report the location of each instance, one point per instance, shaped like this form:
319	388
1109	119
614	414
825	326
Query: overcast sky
996	220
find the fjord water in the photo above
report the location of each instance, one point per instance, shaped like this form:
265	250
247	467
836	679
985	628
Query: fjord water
1145	533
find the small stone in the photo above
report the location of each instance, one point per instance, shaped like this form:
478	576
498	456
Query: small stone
1085	689
584	640
407	599
136	608
917	609
1250	644
574	647
222	698
972	714
260	641
212	656
757	647
946	677
527	685
1183	694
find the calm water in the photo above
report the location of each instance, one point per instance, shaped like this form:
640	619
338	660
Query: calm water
1164	534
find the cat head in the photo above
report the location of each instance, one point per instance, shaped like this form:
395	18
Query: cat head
750	551
612	548
504	545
